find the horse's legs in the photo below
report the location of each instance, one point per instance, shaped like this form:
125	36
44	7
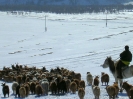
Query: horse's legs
121	82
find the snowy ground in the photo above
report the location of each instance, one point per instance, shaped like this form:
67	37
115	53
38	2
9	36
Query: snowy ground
78	42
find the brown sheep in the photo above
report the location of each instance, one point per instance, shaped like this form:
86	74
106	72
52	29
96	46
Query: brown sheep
81	93
96	81
68	81
22	92
105	78
96	91
39	90
32	87
19	79
111	90
53	87
73	87
117	88
27	88
5	89
89	78
61	85
17	91
82	84
77	82
127	87
77	76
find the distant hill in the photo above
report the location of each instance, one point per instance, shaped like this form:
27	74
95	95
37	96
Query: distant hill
65	2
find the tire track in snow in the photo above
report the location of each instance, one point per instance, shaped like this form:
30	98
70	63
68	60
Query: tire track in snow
94	57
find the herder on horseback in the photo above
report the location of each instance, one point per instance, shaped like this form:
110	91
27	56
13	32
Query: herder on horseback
125	59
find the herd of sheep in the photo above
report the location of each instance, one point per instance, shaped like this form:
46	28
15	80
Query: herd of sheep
31	80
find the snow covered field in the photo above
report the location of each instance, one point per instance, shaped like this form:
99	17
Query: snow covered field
79	42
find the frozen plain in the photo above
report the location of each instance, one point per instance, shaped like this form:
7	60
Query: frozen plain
78	42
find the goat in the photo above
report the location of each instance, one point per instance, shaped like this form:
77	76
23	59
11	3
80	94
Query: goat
5	89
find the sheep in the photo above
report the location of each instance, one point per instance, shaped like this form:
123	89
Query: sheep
32	87
14	85
111	90
5	89
82	84
27	88
61	85
45	86
19	79
22	92
127	87
105	78
96	81
77	76
117	88
77	82
89	78
53	87
81	93
68	81
73	87
96	91
39	89
17	90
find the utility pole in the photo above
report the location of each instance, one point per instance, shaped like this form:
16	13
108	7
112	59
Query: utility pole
45	24
106	17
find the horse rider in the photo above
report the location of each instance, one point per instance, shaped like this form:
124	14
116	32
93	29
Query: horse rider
125	59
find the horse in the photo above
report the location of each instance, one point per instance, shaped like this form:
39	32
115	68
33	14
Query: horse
126	72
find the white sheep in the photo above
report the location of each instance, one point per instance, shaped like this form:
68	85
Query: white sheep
14	85
89	78
45	86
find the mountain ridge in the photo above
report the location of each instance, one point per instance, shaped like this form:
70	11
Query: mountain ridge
65	2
